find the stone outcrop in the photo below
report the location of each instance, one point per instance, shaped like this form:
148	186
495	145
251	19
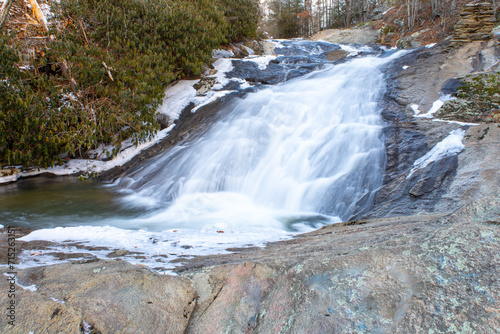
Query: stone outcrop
475	24
419	78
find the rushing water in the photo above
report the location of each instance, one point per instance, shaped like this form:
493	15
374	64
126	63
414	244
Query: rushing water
287	158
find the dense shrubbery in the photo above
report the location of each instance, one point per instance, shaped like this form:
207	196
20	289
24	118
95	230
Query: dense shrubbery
102	78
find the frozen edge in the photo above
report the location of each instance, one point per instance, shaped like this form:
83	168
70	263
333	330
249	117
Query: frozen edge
451	145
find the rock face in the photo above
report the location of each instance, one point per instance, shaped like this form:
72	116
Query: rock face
359	35
452	180
110	296
476	21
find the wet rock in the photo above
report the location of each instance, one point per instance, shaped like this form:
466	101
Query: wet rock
336	55
417	78
433	176
112	296
279	70
163	120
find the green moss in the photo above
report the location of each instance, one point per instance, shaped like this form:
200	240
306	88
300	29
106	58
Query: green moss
478	100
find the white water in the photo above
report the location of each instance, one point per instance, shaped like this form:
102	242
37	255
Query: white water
286	159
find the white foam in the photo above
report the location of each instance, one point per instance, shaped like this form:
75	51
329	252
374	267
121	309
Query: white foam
451	145
354	50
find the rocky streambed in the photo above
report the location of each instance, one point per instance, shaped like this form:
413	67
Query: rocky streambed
424	259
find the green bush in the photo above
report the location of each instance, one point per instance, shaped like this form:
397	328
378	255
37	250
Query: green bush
242	17
103	77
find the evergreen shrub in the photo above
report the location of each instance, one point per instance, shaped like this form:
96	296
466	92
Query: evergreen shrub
102	78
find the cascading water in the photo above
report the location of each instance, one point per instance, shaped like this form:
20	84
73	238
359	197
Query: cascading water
312	145
287	158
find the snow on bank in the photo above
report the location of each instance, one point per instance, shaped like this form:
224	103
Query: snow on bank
435	107
75	166
451	145
177	97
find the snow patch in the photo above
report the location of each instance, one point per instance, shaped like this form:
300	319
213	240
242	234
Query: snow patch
177	97
25	287
261	61
10	178
213	96
219	53
451	145
57	300
222	66
435	107
74	166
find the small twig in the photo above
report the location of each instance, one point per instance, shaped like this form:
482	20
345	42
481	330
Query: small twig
83	30
4	15
33	37
108	70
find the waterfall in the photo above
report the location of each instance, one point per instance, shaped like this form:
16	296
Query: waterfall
309	147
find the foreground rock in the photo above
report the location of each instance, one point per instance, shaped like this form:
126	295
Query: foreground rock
109	296
428	273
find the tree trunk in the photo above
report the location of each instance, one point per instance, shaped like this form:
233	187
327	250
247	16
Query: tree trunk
5	12
348	13
39	14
